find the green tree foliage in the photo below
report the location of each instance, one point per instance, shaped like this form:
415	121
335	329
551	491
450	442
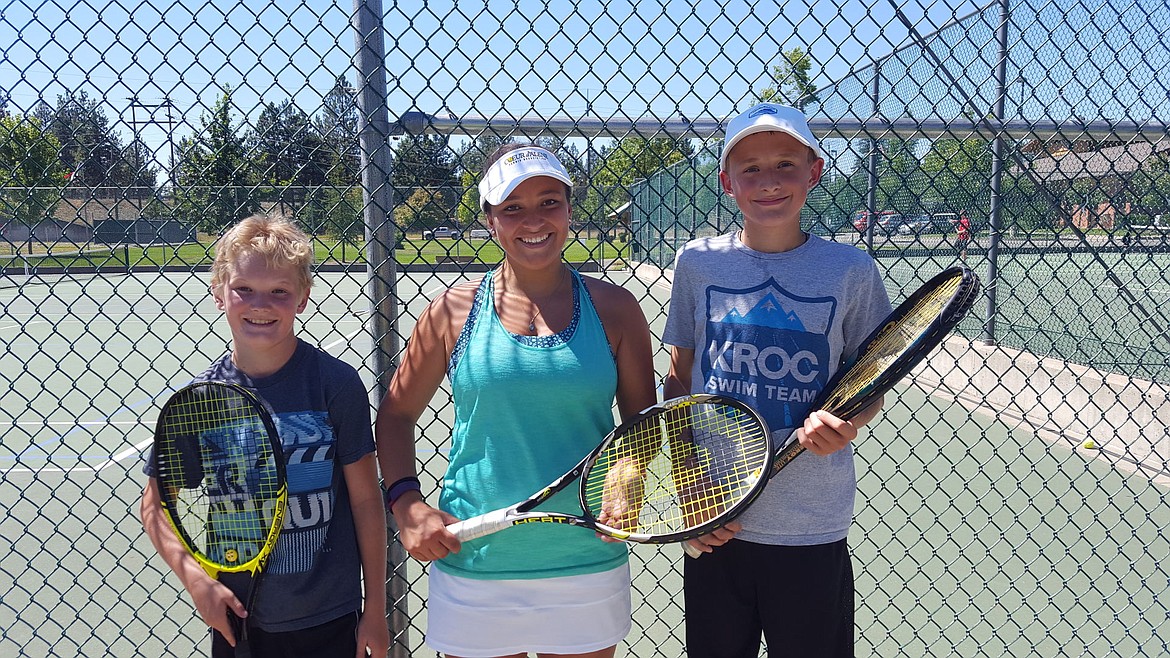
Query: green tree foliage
425	209
958	174
423	161
212	190
469	207
1150	190
337	124
472	156
901	186
470	160
629	160
31	174
90	150
286	147
791	82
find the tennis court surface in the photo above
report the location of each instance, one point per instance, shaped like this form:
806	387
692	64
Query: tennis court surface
975	534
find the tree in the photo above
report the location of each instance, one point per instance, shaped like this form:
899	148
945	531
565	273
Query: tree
958	174
89	149
475	152
286	147
337	125
31	174
424	209
212	189
423	161
634	158
469	206
791	82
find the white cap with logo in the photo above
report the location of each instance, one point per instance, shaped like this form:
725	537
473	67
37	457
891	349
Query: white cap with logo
515	167
768	117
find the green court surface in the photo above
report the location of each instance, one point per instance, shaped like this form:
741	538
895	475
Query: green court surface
973	535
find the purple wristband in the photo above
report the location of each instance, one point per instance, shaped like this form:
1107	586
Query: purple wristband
395	491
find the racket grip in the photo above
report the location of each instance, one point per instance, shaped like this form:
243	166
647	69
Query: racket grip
691	551
239	628
480	526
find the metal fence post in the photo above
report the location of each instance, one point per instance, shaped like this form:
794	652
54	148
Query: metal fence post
378	203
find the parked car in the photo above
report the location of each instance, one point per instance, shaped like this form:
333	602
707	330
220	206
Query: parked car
887	221
442	232
943	222
915	224
479	233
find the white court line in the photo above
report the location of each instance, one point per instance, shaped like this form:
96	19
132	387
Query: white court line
344	339
134	450
18	326
72	423
55	469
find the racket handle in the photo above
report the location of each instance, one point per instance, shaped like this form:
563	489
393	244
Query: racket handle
480	526
691	551
239	628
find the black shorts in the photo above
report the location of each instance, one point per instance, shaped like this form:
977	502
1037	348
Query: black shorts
333	639
799	597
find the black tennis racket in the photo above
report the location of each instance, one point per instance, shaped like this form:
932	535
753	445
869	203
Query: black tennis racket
221	479
676	470
890	352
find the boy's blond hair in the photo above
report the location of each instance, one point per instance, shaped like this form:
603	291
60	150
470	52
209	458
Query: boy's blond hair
276	239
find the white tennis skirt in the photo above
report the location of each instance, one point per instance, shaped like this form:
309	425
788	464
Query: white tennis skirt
571	614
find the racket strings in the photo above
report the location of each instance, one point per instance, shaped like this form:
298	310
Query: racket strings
895	339
677	470
218	469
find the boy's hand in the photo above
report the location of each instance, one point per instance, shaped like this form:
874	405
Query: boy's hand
823	433
423	529
373	636
717	537
212	599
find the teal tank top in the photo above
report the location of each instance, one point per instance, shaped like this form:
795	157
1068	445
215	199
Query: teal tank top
527	409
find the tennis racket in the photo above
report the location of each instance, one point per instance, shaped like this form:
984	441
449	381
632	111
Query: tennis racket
889	353
676	470
221	479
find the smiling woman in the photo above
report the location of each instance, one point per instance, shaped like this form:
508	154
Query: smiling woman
537	353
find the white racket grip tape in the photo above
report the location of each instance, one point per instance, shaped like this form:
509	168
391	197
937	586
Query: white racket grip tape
480	526
691	551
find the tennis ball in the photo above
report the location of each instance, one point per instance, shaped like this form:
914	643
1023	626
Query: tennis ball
1089	444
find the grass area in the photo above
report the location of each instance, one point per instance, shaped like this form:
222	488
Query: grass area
411	251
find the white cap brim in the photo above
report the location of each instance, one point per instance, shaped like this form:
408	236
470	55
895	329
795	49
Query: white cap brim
514	168
768	117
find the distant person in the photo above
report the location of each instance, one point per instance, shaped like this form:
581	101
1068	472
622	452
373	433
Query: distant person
963	235
535	354
323	592
765	314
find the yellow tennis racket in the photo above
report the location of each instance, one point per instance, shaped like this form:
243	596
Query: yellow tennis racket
221	479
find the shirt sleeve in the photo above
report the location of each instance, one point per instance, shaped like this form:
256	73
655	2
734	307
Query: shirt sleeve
680	318
349	413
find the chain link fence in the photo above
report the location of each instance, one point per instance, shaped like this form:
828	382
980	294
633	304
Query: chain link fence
1013	497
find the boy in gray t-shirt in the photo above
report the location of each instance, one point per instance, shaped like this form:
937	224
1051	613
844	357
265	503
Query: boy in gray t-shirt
765	315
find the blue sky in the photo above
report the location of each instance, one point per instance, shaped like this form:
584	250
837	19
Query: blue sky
663	59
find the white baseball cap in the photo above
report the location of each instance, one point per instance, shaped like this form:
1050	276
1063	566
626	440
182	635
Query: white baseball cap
514	168
768	117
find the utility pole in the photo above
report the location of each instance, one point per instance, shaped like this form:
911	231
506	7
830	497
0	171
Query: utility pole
152	119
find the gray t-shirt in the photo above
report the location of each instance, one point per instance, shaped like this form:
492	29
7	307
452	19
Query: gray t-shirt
770	329
322	413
